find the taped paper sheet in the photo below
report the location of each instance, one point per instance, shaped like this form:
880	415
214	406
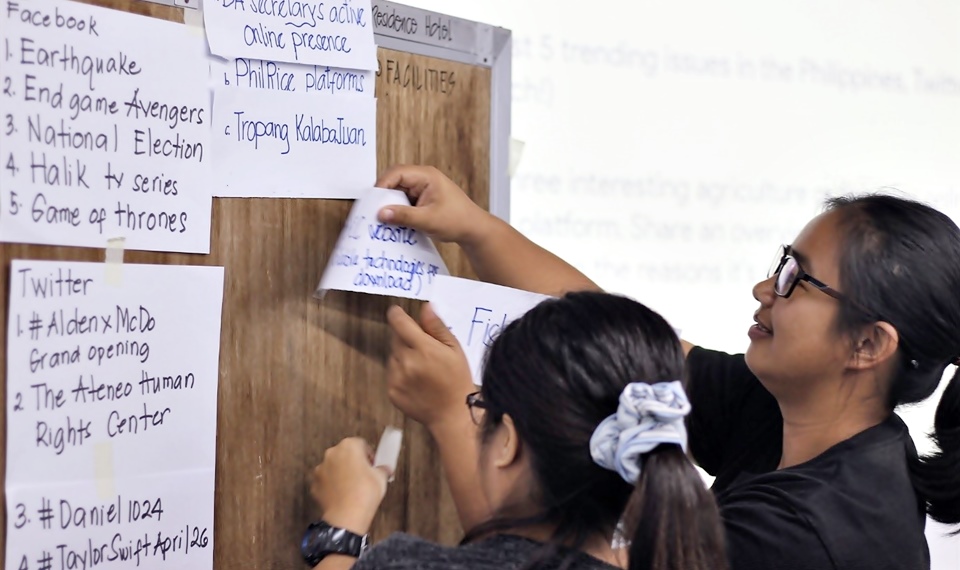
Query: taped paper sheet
381	259
475	312
321	33
109	138
111	430
293	145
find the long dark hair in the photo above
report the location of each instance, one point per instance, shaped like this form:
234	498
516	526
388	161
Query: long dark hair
558	371
901	259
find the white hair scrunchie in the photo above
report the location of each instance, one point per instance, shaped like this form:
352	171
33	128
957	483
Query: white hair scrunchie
648	415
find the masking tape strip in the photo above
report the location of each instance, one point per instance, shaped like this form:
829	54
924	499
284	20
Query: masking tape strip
516	152
103	470
388	450
193	19
319	294
191	4
114	261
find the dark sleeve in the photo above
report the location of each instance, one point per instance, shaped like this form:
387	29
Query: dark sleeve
729	408
765	532
401	551
405	552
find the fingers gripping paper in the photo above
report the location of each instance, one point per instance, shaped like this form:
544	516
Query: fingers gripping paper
381	259
475	312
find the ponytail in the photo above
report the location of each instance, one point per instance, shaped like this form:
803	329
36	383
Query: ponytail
936	477
672	519
901	259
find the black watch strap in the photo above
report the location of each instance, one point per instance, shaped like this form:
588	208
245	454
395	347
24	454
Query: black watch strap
322	539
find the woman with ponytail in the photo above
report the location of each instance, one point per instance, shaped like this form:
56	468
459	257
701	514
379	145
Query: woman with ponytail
860	315
579	428
670	519
814	469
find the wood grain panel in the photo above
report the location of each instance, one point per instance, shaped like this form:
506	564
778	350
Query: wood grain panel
297	374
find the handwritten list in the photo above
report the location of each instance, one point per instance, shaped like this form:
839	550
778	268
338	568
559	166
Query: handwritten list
381	259
111	419
295	31
104	133
293	145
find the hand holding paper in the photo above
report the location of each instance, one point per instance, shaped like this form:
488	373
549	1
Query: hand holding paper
379	258
475	312
347	487
443	210
428	377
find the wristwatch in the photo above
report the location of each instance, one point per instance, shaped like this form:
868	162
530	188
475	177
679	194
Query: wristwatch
322	539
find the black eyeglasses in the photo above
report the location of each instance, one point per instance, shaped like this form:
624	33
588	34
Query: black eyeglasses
789	273
476	406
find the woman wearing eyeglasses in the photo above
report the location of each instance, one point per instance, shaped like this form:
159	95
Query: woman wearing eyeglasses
814	470
578	427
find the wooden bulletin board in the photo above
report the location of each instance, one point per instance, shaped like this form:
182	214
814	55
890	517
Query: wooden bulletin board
297	374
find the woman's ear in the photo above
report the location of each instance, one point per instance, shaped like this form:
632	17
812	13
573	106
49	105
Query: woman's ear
875	345
506	444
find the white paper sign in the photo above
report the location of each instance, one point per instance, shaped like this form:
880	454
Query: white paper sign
475	312
296	31
381	259
291	78
106	129
111	415
293	145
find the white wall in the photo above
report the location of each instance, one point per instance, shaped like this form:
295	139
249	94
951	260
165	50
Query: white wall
671	145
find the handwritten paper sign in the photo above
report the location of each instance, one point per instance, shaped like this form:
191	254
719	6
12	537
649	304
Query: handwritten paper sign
292	78
296	31
111	417
104	134
293	145
381	259
476	311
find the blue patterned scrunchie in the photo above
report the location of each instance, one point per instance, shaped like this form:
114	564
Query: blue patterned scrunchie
648	415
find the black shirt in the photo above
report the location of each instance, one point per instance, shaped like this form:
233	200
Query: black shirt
500	552
851	507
